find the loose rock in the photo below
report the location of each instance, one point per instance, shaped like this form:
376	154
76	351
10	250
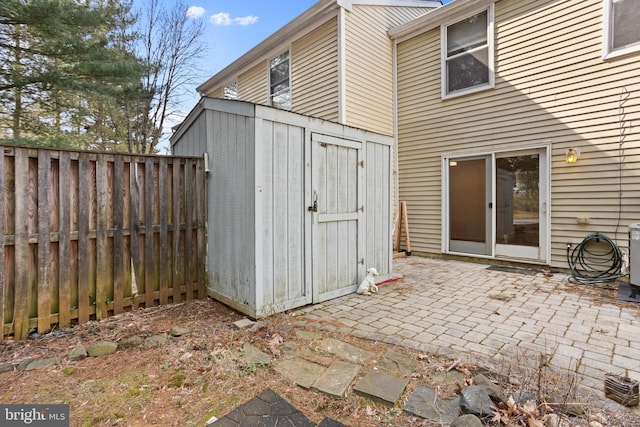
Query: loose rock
130	342
475	400
178	331
156	340
102	348
78	353
467	420
42	363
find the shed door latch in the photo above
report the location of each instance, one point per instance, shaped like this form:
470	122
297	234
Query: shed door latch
314	206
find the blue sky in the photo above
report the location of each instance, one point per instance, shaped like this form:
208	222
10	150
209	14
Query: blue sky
233	28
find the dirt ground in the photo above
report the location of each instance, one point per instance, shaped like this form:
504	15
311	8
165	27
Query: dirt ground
198	375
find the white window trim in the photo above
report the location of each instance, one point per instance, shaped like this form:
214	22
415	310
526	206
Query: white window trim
490	53
269	94
607	50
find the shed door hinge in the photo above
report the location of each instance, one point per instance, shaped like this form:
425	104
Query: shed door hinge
361	163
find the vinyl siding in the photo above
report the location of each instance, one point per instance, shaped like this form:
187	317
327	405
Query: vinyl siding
253	85
369	64
314	72
551	84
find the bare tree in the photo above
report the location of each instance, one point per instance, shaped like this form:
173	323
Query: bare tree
170	44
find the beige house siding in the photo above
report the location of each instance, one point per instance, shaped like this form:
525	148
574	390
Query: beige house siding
369	64
314	72
551	86
253	85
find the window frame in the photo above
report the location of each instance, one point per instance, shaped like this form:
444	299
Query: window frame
608	51
444	82
288	79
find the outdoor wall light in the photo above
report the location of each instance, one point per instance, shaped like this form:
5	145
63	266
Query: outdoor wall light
572	154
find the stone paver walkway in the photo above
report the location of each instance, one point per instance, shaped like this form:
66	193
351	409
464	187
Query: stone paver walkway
463	310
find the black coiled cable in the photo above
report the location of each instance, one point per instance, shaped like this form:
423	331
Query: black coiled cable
597	259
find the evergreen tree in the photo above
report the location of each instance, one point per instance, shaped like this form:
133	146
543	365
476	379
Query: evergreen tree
60	61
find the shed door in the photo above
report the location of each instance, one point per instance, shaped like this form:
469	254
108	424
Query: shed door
336	209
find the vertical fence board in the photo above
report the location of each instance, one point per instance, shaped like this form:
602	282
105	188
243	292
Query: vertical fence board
175	270
102	255
83	239
164	221
119	269
149	265
21	285
188	229
44	242
134	190
64	302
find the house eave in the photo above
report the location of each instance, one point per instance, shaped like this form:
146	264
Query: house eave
447	13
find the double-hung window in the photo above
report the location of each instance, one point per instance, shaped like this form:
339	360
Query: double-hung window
230	91
467	54
279	82
621	27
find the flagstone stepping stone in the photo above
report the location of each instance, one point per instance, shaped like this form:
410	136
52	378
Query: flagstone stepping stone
447	378
395	362
244	323
300	371
424	403
381	387
252	356
335	380
344	350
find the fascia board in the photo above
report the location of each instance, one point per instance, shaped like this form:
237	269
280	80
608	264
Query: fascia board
347	4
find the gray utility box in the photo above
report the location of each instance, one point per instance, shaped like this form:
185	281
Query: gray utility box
298	207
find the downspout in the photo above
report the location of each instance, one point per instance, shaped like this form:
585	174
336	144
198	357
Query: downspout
342	73
396	171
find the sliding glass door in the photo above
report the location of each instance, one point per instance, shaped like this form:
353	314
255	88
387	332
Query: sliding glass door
497	205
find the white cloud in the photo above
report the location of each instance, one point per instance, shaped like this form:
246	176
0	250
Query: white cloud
225	19
195	12
246	20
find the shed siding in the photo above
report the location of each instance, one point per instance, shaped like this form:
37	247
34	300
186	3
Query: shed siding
253	85
369	64
377	218
281	180
194	139
314	72
551	84
231	204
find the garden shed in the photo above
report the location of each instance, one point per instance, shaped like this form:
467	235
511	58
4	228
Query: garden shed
298	207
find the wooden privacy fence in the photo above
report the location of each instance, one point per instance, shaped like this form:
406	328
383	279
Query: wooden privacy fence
89	235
